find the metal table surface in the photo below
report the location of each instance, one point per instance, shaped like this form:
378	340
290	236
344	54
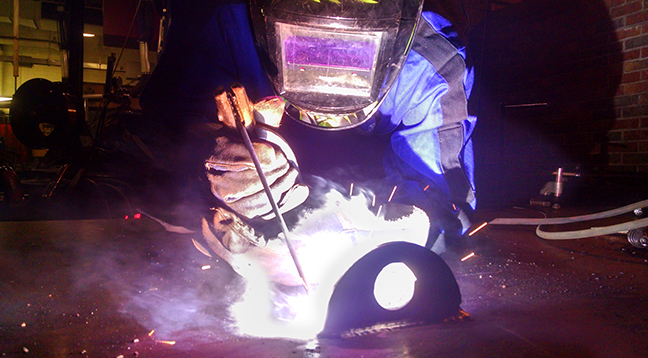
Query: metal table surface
114	288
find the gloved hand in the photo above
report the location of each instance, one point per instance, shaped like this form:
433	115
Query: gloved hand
235	181
232	173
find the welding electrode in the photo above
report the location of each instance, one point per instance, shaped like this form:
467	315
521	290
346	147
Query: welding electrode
236	95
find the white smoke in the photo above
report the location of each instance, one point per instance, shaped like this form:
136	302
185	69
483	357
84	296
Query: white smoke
161	280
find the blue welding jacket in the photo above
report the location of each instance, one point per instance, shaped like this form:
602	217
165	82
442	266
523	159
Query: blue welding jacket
416	111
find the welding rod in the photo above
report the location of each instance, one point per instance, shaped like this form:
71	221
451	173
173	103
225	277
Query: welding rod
240	125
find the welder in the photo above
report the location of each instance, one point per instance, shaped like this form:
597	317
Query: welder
340	66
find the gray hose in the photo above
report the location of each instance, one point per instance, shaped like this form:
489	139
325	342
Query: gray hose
579	234
595	231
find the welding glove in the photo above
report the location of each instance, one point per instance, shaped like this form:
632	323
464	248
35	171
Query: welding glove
234	179
232	174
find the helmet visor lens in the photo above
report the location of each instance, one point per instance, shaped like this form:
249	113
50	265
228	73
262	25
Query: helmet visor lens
328	61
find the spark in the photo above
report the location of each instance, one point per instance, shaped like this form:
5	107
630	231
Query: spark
379	208
206	267
166	342
151	333
351	189
477	229
468	256
373	201
200	248
426	188
392	193
454	207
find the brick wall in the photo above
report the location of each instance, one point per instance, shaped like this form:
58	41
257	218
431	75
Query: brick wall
562	84
629	135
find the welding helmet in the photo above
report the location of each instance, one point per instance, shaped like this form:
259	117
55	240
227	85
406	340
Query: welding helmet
333	61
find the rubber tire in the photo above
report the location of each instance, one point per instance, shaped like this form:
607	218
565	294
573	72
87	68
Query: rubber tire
353	305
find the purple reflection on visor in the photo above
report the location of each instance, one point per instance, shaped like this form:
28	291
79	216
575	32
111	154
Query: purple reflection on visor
329	52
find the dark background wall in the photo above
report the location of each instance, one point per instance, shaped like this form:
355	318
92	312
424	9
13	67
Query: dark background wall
561	84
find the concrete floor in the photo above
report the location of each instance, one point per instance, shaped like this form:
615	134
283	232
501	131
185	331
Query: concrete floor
116	288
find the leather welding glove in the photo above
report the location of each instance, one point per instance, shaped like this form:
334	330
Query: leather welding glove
234	179
232	174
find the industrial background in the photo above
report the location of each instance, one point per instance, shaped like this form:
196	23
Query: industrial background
560	84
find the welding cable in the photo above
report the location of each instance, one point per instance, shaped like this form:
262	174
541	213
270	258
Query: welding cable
579	234
118	191
595	231
103	197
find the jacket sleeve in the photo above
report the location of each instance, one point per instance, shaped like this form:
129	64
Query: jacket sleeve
427	112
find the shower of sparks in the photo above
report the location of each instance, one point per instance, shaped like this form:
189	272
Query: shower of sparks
392	193
477	229
468	256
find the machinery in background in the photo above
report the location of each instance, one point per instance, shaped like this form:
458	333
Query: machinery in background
45	115
86	164
85	155
551	195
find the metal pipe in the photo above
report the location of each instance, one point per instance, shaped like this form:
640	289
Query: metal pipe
522	105
559	183
145	65
16	33
65	64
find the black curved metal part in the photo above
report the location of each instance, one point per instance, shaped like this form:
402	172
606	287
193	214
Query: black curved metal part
45	115
353	307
